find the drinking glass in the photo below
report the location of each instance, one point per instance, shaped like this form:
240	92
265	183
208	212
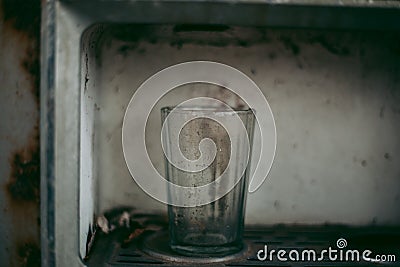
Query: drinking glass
220	138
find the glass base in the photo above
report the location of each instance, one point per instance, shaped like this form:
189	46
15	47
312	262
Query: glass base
209	251
206	245
158	245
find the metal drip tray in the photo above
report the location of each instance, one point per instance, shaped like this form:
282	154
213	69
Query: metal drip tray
150	247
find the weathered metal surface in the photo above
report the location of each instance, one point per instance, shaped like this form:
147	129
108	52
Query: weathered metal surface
88	186
146	244
295	14
47	146
309	81
19	135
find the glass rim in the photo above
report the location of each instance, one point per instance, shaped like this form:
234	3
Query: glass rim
209	109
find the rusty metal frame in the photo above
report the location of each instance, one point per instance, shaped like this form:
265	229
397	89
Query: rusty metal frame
47	132
63	24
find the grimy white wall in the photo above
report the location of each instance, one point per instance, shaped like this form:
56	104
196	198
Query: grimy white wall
336	101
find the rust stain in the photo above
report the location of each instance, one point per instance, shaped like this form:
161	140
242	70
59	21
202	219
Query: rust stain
22	21
23	192
24	14
24	17
31	66
29	254
134	235
24	182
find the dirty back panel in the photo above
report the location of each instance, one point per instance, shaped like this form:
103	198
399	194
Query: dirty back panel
335	97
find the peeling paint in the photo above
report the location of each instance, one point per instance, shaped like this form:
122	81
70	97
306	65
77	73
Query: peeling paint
86	71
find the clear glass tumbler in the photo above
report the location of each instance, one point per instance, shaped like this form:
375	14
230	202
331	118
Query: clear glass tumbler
216	228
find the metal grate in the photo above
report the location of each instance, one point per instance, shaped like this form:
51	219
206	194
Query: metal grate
383	241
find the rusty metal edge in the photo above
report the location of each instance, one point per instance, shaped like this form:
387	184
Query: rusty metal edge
352	3
243	13
47	110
